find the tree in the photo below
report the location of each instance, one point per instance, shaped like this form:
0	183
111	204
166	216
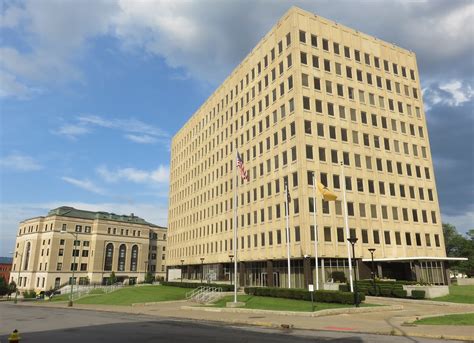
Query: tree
3	286
112	278
149	278
458	245
12	287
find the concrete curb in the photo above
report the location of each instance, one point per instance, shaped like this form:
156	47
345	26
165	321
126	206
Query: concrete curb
413	301
321	313
441	315
157	303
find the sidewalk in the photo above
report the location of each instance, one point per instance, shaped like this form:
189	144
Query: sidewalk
380	322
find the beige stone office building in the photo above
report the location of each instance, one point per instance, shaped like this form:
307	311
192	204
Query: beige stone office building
312	95
93	244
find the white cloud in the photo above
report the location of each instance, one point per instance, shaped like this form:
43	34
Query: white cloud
452	93
127	125
134	130
84	184
20	162
186	33
459	93
143	139
10	86
463	222
72	131
12	213
158	176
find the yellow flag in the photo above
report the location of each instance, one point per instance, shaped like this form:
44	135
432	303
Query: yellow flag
326	193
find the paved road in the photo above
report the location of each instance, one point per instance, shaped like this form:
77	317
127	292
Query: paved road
73	325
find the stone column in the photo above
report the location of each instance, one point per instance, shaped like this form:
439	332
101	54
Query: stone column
445	271
270	273
379	270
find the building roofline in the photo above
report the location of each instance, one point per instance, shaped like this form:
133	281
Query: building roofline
290	11
71	212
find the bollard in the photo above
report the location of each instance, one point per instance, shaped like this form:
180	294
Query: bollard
14	337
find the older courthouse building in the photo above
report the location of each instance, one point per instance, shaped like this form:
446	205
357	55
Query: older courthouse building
311	95
93	244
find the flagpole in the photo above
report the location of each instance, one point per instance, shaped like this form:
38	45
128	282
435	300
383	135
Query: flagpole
235	226
288	234
315	232
346	224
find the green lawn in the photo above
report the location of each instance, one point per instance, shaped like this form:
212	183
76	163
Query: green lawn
459	294
131	295
451	319
279	304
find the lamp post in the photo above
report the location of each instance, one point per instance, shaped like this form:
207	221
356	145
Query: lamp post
372	250
202	268
230	269
182	261
18	277
74	234
353	241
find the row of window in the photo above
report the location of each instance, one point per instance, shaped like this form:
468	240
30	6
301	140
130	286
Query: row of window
263	215
356	54
328	235
369	80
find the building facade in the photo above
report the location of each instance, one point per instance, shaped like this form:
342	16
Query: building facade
5	268
93	244
312	96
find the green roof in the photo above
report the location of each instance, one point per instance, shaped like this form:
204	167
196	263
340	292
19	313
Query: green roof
66	211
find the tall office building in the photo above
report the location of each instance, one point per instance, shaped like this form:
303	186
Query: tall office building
92	244
312	95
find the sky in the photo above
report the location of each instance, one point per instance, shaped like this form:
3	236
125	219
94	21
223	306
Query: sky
92	91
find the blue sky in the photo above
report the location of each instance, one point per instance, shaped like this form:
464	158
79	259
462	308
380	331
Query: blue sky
91	93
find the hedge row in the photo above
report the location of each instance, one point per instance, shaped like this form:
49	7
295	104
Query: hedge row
225	287
384	289
302	294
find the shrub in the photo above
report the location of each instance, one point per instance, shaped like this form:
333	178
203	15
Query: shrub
385	292
344	287
302	294
225	287
29	294
399	293
418	294
338	276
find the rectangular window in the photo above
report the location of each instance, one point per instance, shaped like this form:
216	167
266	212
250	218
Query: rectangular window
340	235
376	237
387	237
365	236
327	234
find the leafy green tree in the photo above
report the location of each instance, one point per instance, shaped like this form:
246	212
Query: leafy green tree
149	278
3	286
112	278
458	245
12	287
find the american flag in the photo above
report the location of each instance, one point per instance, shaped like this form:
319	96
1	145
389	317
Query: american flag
240	165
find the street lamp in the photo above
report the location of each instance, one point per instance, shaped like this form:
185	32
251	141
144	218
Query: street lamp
372	250
230	269
353	241
202	268
182	261
74	234
18	277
